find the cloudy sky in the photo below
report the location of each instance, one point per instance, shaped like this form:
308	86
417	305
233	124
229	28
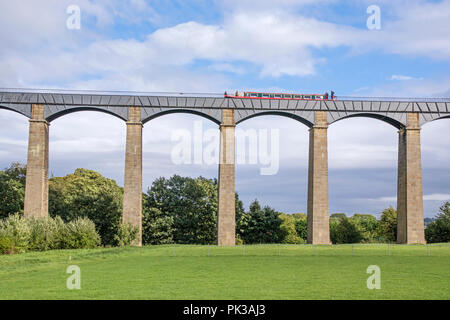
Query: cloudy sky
212	46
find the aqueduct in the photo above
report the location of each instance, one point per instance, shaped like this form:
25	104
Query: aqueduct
407	115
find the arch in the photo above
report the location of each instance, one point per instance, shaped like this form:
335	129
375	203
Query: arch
306	122
440	118
198	113
16	111
397	124
64	112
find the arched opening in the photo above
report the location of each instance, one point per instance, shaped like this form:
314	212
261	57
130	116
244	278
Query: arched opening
306	122
397	124
272	162
184	111
186	145
435	170
91	140
78	109
363	161
13	137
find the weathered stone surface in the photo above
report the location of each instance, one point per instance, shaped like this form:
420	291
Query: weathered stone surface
226	222
410	224
318	208
36	188
132	195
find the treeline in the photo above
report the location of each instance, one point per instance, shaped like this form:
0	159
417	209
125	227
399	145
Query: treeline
184	210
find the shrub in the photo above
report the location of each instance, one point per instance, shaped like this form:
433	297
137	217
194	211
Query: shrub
6	245
18	230
288	231
80	234
20	234
126	235
301	227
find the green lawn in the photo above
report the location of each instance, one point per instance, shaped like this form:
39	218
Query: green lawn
250	272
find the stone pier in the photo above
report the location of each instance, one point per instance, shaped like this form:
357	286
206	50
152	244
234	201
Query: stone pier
410	224
36	188
226	221
318	208
132	195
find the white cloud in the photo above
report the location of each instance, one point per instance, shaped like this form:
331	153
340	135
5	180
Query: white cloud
400	77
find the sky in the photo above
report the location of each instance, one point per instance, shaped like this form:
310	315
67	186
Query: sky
201	46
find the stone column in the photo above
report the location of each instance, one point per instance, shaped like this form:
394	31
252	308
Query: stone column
132	195
226	220
318	211
36	188
410	224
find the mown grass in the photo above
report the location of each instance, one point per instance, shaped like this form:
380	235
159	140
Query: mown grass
241	272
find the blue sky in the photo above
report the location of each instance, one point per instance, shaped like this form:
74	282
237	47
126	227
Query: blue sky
213	46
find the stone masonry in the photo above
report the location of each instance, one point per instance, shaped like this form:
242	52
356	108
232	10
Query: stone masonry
410	224
226	221
318	211
36	188
132	195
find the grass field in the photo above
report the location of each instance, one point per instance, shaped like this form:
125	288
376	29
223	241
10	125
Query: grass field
241	272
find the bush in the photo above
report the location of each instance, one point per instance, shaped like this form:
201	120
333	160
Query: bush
20	234
6	245
126	235
18	230
80	234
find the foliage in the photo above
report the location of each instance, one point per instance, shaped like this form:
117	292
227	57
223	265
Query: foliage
262	225
12	194
126	235
368	226
347	231
21	234
288	232
439	229
86	193
157	227
387	227
301	226
192	203
338	215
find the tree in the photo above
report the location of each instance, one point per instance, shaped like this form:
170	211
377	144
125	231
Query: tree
301	226
387	228
262	225
338	215
439	229
12	189
288	232
157	227
347	231
368	225
86	193
12	194
192	203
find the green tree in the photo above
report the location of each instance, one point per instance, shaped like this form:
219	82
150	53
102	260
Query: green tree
387	227
347	231
301	226
288	232
12	194
262	225
192	203
86	193
368	225
157	227
338	215
439	229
